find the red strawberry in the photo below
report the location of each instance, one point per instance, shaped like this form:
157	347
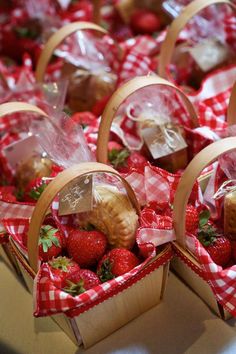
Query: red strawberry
61	269
192	219
86	247
123	160
34	189
136	160
7	194
50	242
86	118
217	245
116	262
77	283
113	145
145	22
99	106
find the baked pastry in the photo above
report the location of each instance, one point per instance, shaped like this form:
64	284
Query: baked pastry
113	215
230	214
32	168
86	88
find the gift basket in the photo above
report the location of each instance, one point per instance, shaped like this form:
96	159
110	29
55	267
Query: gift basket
93	66
86	62
149	122
127	294
206	262
203	62
8	203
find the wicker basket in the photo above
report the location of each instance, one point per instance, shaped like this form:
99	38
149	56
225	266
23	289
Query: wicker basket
141	293
186	265
120	95
57	38
168	46
7	109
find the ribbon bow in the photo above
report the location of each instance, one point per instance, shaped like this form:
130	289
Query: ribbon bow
151	118
225	189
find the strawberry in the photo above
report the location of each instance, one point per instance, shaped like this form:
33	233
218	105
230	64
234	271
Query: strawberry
136	160
145	22
7	194
116	262
85	118
50	242
34	189
217	245
61	269
86	247
99	106
123	160
77	283
192	219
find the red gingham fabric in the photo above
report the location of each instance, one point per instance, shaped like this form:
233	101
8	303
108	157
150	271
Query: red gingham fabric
222	281
7	139
230	30
56	300
158	185
17	226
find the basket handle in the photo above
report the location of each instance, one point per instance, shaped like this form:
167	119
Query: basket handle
177	25
55	186
121	94
56	39
17	107
191	173
231	112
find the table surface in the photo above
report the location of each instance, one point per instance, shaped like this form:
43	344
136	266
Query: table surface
182	323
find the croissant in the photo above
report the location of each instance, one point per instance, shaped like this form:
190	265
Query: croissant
113	215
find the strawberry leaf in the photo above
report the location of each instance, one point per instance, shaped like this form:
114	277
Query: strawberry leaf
75	289
105	272
56	242
204	218
118	157
35	193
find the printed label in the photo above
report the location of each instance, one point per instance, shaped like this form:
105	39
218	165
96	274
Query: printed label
77	196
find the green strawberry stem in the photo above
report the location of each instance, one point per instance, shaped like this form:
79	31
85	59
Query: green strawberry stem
47	238
118	157
35	193
75	289
105	273
206	233
61	263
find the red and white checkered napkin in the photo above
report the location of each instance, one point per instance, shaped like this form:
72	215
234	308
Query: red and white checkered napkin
135	62
214	89
50	300
230	30
15	219
222	281
158	186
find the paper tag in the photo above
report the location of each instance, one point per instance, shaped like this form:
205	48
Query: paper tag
163	140
22	150
77	196
209	53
